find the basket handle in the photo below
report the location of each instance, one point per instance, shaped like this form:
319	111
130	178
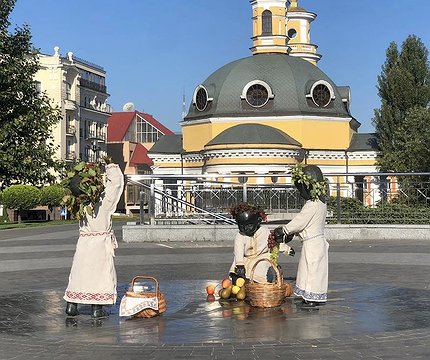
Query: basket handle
278	274
140	277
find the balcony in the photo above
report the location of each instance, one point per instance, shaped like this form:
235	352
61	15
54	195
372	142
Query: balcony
93	86
71	156
70	105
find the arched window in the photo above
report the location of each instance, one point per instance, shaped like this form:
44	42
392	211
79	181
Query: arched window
321	93
257	93
267	22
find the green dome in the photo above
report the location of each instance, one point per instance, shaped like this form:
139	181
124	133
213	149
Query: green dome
253	134
291	82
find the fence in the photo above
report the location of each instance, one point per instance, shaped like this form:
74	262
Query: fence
361	198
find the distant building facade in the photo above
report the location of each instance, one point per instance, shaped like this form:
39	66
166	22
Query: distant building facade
130	135
78	88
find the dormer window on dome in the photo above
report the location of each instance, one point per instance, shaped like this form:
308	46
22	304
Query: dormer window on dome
257	93
321	93
201	98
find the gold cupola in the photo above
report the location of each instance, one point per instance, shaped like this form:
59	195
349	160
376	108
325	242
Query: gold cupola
298	32
269	26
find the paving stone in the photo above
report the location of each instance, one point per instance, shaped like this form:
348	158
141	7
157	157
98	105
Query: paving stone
377	308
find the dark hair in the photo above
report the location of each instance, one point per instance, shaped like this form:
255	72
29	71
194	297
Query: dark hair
74	185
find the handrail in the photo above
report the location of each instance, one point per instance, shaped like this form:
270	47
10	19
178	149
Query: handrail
183	202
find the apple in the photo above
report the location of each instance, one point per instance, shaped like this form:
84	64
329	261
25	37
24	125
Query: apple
226	283
240	282
210	298
210	289
235	289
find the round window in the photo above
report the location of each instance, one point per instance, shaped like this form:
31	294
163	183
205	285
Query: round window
201	100
292	33
257	95
321	95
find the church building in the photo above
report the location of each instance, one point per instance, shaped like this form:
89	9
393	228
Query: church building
271	110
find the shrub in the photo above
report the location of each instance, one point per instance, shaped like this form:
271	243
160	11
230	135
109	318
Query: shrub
21	197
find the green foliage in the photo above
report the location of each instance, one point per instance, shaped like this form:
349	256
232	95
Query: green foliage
352	211
26	116
402	120
317	189
91	186
21	197
52	195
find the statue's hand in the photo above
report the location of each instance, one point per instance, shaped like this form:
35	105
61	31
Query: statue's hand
288	238
291	252
107	159
279	234
240	271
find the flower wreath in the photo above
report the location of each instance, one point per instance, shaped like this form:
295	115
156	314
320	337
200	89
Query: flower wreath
91	186
243	207
316	188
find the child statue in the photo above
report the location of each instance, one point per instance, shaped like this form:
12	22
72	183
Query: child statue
251	245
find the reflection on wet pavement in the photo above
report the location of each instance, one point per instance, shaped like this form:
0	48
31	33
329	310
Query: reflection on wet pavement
353	309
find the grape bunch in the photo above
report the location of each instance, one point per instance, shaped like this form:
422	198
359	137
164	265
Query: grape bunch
271	240
273	246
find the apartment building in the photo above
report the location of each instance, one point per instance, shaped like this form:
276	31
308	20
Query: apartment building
78	88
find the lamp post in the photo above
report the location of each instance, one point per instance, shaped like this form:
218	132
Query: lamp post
95	148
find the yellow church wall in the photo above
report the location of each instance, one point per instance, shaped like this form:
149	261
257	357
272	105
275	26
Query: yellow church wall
318	134
297	25
369	162
248	161
312	134
196	136
167	164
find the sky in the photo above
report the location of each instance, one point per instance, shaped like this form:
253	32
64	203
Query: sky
155	51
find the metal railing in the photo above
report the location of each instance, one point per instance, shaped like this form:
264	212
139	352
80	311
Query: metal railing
361	198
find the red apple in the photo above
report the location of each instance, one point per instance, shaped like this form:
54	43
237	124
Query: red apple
226	283
210	289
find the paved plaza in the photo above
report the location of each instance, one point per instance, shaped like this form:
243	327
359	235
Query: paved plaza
378	308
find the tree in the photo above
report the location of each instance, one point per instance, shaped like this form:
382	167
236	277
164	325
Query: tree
52	196
400	122
21	197
26	116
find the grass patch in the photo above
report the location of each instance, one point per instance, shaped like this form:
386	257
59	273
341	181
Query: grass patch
29	224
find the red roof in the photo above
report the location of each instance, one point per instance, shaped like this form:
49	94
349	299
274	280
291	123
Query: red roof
140	156
119	123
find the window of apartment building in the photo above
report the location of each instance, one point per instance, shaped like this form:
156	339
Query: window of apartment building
38	87
68	91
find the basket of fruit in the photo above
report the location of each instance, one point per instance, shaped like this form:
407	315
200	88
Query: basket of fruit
143	299
266	295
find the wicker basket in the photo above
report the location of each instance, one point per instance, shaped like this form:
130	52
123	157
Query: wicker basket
148	313
265	295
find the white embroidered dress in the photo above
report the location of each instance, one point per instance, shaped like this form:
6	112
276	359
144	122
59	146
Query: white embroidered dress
312	273
92	278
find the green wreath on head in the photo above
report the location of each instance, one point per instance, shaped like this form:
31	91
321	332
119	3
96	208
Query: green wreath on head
84	185
317	189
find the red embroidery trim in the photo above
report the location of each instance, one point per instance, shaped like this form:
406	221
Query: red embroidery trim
101	233
89	296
